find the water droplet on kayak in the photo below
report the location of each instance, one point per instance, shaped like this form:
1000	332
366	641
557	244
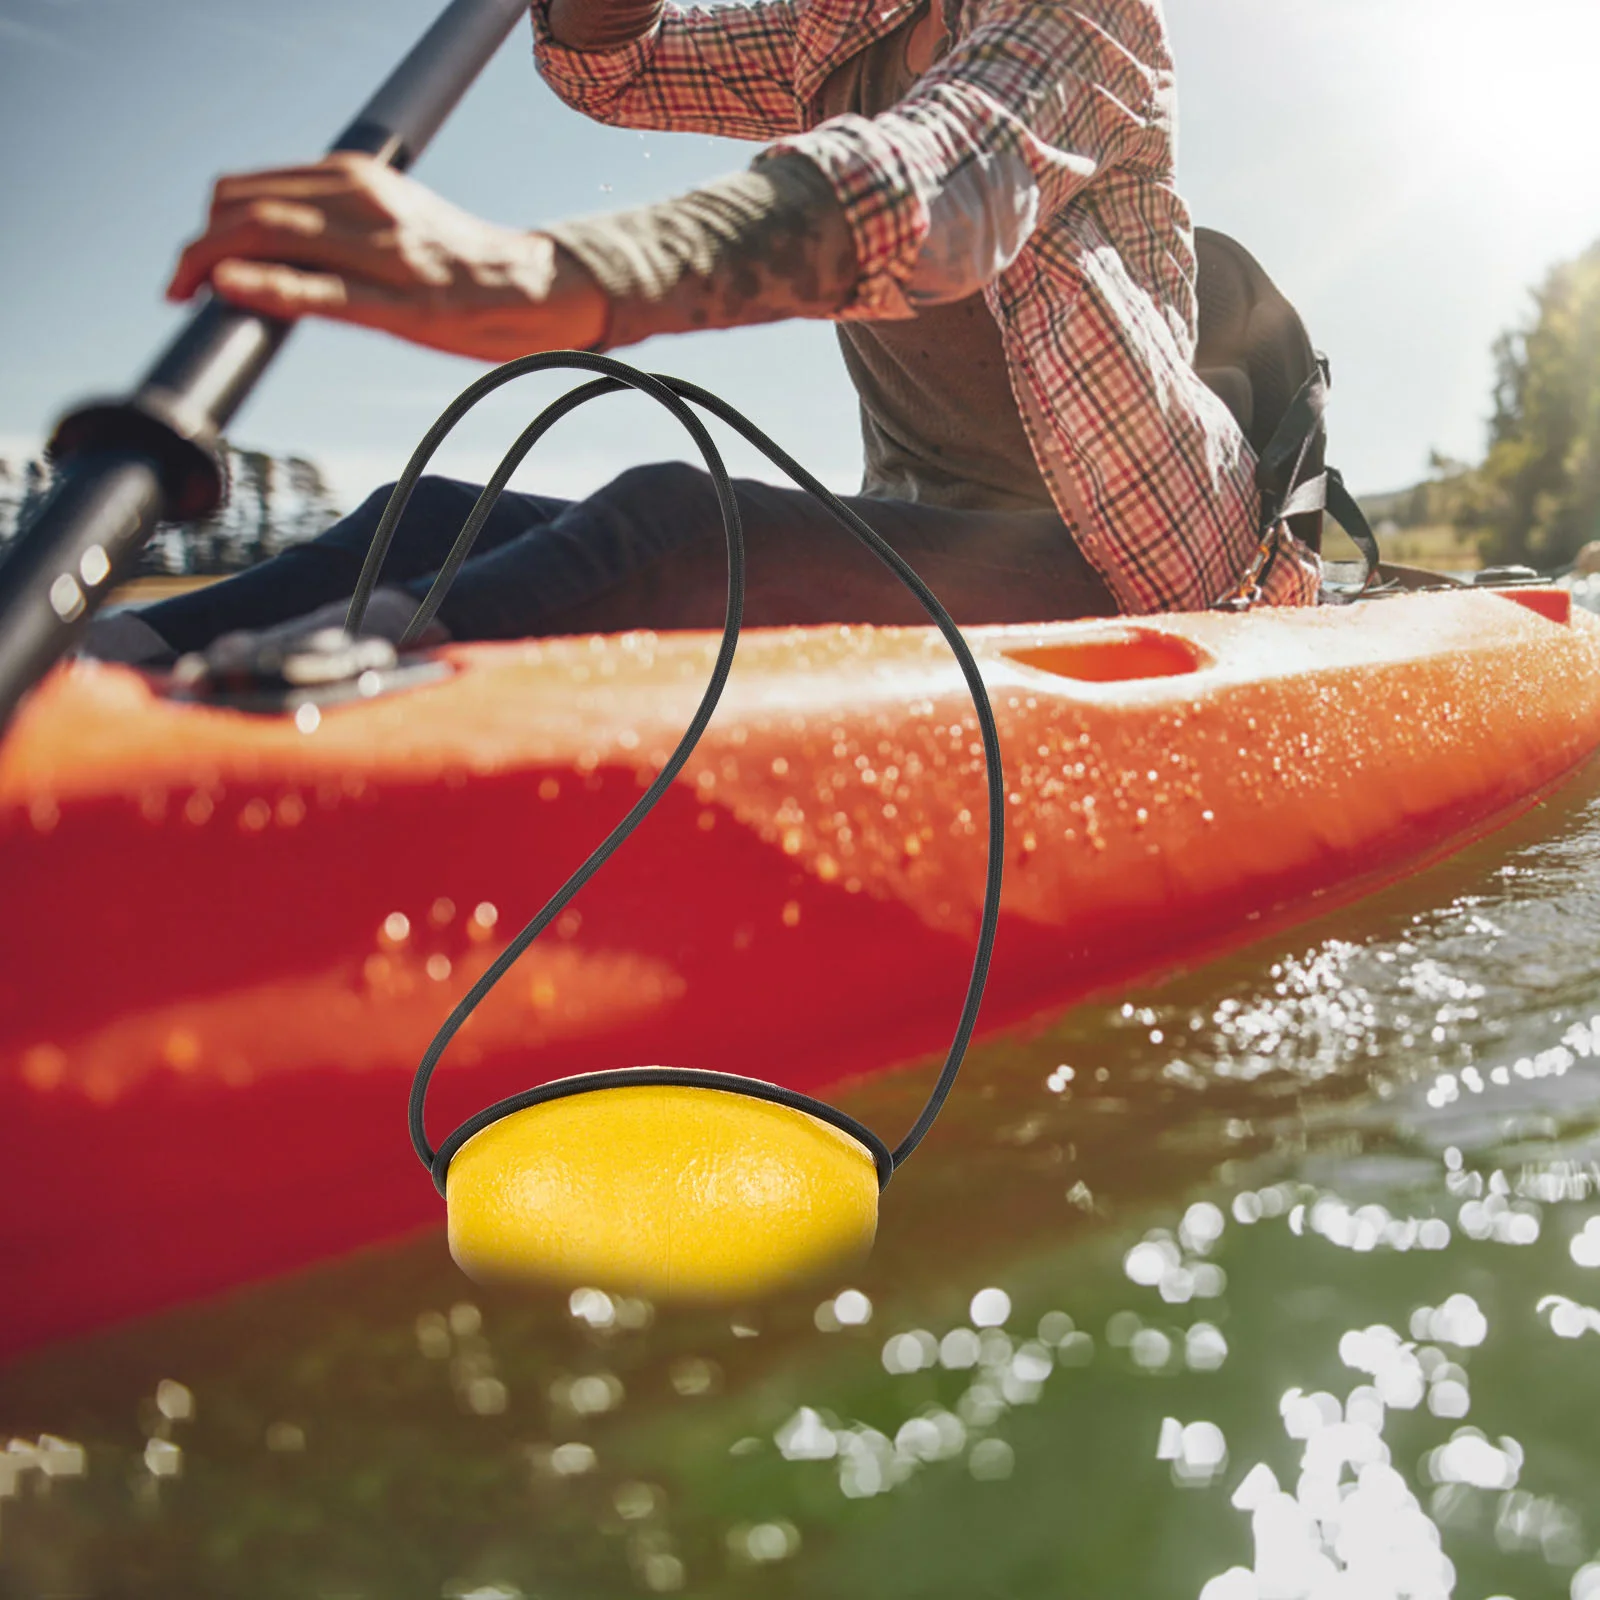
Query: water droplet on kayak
197	809
44	1067
791	914
44	814
441	911
291	811
396	928
549	788
307	718
181	1050
438	967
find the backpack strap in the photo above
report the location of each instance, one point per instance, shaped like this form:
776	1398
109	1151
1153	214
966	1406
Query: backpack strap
1343	507
1290	489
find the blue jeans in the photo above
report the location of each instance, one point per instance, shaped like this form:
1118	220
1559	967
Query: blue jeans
648	551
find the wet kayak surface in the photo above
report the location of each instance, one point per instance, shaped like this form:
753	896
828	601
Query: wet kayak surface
278	917
1277	1279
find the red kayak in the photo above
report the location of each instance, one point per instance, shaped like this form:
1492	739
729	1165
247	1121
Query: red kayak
230	936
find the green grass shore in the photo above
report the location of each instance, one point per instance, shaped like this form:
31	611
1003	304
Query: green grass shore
1440	548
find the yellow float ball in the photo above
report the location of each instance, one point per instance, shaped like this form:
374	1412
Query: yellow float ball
667	1190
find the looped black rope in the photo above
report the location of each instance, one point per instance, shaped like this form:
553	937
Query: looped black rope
670	393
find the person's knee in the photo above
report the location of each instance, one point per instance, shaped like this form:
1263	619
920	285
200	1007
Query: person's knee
658	483
432	502
376	501
431	496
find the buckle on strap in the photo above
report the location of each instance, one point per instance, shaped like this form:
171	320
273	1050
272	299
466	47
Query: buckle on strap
1248	593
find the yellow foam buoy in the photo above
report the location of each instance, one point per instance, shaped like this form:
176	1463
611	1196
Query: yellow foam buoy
669	1190
681	1183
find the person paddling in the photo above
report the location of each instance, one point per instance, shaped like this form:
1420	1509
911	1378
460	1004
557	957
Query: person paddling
979	193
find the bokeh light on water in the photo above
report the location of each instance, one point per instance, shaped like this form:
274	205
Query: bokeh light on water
1277	1281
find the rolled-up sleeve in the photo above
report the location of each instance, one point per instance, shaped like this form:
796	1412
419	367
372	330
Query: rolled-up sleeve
1028	109
725	70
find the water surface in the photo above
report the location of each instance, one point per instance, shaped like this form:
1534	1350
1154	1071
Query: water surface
1273	1280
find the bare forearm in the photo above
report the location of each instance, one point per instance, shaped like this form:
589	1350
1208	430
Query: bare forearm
760	246
352	239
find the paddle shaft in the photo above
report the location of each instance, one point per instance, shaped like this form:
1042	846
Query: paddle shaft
126	465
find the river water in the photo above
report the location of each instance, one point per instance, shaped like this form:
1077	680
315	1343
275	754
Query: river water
1275	1280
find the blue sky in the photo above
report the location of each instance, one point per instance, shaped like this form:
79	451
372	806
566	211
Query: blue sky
1406	169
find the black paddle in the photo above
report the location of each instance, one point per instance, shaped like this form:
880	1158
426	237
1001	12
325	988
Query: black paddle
124	466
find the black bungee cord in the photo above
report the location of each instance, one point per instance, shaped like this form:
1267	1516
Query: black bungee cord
672	393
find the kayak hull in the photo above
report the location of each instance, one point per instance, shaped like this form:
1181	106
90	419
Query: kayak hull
230	937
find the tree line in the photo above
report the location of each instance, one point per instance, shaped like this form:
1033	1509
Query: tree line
1535	496
273	502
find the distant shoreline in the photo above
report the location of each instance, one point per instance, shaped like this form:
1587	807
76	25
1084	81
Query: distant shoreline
141	591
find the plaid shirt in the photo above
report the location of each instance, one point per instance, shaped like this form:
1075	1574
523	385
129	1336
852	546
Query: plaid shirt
1097	310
